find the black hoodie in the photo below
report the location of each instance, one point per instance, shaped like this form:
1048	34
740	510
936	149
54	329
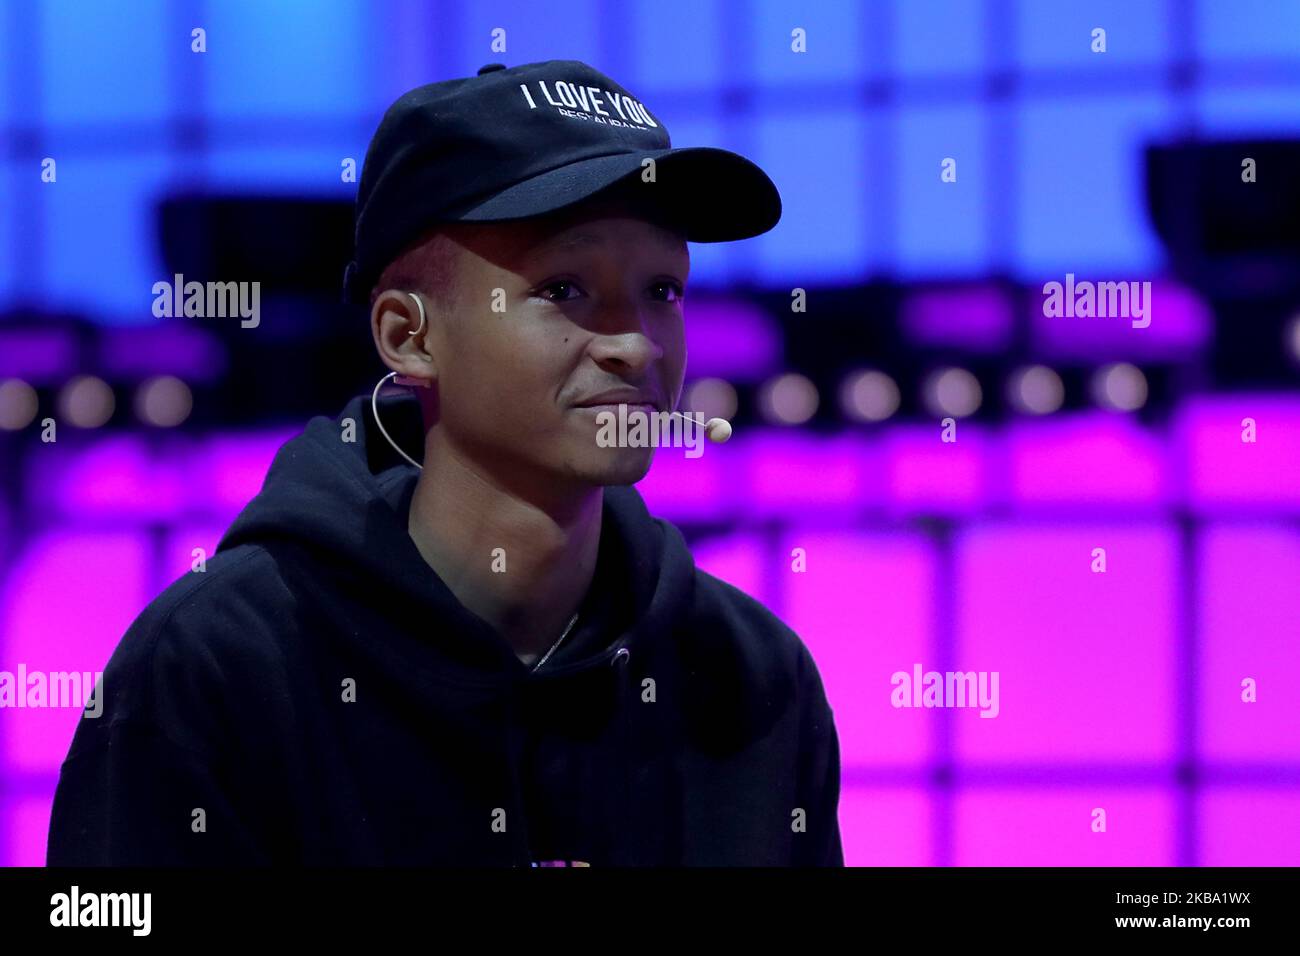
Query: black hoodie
317	695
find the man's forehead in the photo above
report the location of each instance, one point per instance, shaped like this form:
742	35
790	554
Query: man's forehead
578	237
575	228
567	230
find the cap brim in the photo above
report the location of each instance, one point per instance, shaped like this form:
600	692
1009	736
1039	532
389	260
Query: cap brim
713	195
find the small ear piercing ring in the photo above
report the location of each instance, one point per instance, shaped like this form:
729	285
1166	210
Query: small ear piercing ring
419	305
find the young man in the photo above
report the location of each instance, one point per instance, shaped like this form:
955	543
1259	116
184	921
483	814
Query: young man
450	633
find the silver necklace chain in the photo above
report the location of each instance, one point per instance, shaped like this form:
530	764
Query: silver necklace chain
573	620
374	396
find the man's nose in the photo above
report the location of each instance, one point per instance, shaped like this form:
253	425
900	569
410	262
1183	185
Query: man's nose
623	344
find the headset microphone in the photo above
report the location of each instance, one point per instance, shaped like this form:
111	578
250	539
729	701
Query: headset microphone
718	429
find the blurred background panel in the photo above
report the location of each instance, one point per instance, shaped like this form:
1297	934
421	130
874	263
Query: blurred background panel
1038	825
67	601
1241	826
926	458
1249	608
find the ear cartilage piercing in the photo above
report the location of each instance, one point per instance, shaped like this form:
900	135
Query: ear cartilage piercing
419	305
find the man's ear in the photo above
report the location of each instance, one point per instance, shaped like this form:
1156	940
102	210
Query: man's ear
399	323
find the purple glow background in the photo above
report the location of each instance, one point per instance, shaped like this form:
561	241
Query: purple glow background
972	556
1112	685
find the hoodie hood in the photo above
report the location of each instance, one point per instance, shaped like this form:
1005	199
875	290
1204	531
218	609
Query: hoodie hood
333	514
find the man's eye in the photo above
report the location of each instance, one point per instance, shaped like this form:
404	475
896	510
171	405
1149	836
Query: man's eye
558	284
676	287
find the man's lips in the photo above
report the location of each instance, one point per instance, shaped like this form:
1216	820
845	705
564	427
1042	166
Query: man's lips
607	401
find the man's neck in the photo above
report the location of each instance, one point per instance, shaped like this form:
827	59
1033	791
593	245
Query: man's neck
530	588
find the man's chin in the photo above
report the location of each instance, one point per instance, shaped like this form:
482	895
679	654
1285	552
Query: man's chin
615	466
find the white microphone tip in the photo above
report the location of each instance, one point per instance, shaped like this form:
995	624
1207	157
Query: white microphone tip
718	430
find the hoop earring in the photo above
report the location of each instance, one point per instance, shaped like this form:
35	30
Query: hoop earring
374	410
419	305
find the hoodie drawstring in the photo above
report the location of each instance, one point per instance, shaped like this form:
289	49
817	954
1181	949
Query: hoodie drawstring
622	691
517	823
618	811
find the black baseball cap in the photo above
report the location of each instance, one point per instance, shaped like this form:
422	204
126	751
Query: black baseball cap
515	142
